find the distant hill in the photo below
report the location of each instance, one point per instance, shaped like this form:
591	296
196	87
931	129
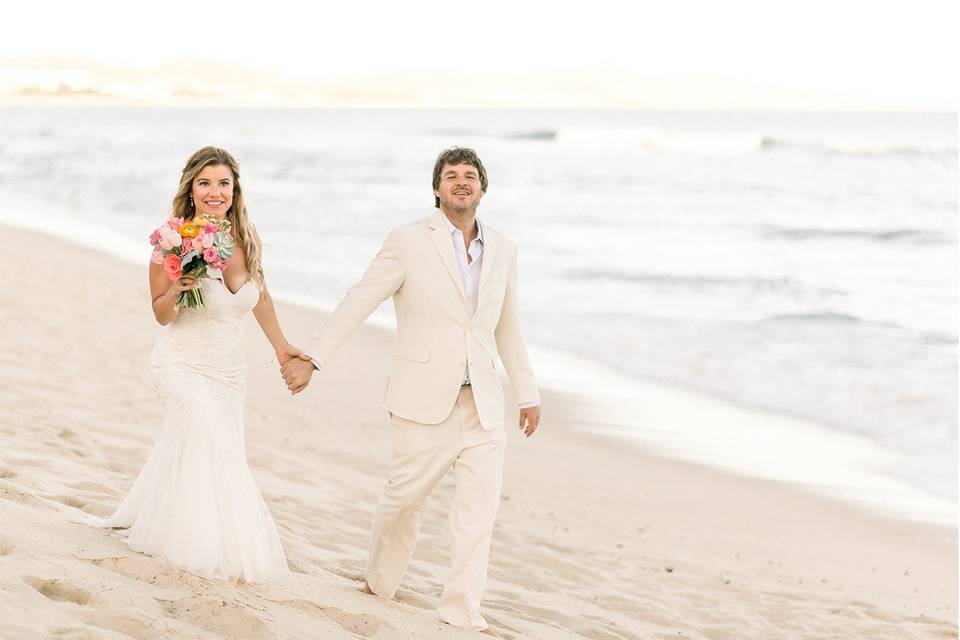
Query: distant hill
201	82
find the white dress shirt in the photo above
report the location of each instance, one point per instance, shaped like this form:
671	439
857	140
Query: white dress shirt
470	276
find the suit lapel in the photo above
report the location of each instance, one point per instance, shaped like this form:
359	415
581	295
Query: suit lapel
441	240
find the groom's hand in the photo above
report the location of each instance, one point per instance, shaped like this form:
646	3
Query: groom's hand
296	373
529	419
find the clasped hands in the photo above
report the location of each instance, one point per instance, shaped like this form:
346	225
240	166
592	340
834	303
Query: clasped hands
296	368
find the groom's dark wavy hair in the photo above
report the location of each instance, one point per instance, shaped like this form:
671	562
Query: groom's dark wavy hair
455	156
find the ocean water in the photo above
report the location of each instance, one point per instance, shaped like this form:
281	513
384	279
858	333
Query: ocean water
803	264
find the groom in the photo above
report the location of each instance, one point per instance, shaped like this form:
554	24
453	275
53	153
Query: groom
454	285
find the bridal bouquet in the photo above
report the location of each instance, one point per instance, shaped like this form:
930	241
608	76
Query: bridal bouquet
198	248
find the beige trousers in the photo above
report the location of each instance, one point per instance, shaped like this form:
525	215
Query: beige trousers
422	455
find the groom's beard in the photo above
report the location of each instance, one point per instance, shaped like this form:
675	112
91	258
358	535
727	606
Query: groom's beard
461	212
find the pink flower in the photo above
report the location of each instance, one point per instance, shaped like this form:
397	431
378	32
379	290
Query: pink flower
211	255
208	240
157	257
172	267
169	238
211	228
155	237
175	223
185	245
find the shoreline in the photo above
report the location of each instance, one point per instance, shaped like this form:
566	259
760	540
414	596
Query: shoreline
594	539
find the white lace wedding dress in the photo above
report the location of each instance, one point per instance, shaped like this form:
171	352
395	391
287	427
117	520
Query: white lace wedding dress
195	502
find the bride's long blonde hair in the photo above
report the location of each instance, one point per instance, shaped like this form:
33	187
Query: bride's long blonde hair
241	229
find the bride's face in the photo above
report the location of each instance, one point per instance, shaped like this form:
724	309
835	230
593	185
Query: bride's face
213	191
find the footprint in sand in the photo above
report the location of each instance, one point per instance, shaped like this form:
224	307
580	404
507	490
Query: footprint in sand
6	547
69	633
93	487
716	633
28	462
364	625
603	633
147	570
215	615
414	599
140	629
58	590
22	497
70	501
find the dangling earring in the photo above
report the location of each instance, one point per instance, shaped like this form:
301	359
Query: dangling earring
191	202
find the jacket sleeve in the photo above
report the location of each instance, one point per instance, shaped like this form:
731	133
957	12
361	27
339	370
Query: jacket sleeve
511	347
382	279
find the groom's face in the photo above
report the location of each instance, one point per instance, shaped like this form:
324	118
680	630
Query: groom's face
459	189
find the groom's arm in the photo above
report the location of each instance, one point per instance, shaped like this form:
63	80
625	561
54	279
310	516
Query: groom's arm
382	279
512	348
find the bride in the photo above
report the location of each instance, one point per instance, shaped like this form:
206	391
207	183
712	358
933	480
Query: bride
195	502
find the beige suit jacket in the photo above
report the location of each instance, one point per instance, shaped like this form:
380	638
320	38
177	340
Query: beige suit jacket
436	336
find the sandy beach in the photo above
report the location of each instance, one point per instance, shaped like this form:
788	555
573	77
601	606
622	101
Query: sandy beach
596	537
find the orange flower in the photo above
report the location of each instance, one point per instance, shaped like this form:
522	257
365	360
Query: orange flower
189	231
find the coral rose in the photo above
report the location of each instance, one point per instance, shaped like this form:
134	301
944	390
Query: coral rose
171	266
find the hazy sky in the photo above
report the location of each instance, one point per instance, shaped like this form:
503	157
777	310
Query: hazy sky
893	52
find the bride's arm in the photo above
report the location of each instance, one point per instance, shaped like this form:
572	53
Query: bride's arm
266	314
164	293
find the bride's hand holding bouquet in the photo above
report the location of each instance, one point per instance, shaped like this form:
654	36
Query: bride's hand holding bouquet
190	250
